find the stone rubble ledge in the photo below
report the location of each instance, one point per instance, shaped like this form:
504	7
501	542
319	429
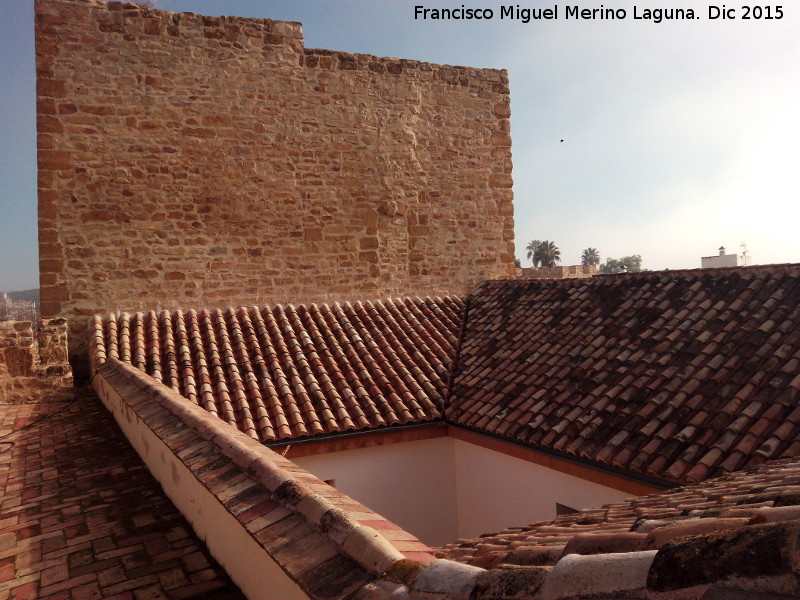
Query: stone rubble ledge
34	360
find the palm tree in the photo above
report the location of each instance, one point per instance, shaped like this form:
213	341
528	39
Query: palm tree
590	256
548	254
532	249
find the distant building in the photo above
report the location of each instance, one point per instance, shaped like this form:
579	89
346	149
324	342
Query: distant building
724	260
16	310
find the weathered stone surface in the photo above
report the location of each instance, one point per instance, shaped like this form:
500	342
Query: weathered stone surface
584	576
661	535
454	580
510	583
31	363
316	172
334	579
535	555
605	543
751	552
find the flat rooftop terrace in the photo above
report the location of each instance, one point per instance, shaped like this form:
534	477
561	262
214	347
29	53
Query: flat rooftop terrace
81	517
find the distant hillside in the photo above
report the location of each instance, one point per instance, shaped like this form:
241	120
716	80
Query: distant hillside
30	295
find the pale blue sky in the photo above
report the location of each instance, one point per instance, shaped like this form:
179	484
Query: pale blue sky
679	137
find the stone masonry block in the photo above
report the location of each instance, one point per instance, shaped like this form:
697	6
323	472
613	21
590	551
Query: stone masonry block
296	204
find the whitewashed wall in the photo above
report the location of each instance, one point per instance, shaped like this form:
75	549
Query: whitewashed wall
496	491
413	484
444	489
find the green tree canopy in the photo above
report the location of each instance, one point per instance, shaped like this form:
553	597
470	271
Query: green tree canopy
590	256
532	248
629	264
548	254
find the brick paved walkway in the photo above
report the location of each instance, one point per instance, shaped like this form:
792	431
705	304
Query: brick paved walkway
81	518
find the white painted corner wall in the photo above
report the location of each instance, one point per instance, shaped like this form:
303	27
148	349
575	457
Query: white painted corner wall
410	483
443	489
496	491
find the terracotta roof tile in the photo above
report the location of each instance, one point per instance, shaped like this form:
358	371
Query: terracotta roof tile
679	375
83	518
762	495
289	371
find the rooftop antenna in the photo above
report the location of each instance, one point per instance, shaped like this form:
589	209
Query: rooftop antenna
743	246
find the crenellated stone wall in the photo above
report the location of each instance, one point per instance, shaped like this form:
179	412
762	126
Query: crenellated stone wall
33	359
190	161
565	272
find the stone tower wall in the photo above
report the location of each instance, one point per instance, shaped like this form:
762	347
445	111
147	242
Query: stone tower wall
190	161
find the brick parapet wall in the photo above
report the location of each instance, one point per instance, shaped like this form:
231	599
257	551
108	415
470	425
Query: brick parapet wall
275	513
566	272
32	361
194	161
17	348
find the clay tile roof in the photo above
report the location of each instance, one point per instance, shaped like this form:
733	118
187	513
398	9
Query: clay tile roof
728	503
288	372
678	375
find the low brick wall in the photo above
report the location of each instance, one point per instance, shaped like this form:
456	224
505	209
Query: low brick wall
33	360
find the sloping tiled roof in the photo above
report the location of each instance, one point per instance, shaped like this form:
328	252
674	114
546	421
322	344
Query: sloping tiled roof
725	538
769	493
289	372
326	542
678	375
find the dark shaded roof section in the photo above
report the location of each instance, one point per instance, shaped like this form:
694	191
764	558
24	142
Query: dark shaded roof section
766	494
289	372
680	375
